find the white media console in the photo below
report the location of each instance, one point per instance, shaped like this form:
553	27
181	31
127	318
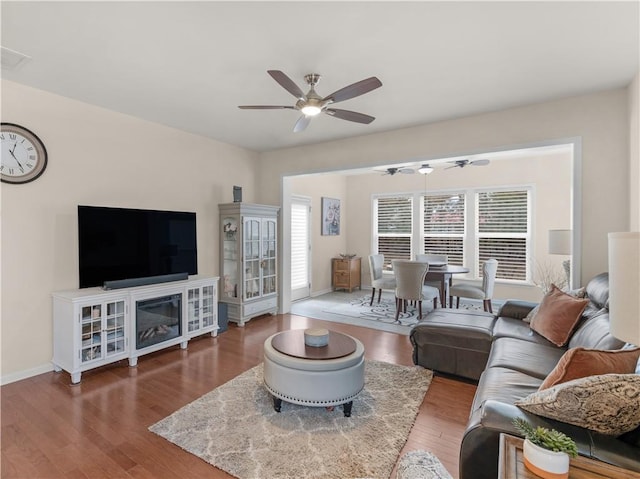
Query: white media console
93	326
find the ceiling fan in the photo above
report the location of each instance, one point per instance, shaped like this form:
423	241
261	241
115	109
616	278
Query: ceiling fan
463	163
313	104
392	171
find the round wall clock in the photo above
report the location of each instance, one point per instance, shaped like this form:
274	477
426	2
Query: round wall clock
23	156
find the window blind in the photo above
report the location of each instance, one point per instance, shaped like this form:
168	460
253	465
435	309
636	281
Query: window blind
444	225
503	231
394	227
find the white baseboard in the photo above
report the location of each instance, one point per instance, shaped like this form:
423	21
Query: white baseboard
27	373
321	292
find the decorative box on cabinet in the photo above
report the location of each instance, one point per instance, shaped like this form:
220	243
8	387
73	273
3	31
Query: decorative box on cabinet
93	327
345	273
249	257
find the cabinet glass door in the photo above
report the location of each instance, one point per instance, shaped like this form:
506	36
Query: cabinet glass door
114	331
193	309
269	245
251	258
208	313
91	327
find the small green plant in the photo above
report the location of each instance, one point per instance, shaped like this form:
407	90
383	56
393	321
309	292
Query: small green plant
547	438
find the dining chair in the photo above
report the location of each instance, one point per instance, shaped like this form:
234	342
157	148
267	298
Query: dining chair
378	281
430	258
485	293
410	285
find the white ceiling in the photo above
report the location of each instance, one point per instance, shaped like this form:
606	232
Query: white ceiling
189	65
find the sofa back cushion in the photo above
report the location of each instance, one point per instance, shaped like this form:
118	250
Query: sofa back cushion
598	291
594	334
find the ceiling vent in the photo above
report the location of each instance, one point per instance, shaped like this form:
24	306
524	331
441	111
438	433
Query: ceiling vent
12	60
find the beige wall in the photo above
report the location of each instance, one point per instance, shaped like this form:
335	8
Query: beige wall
600	120
96	157
324	247
552	200
634	154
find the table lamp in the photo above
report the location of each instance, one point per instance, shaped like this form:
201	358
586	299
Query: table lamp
560	243
624	286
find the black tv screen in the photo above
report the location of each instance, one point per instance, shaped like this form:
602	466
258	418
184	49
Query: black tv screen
122	243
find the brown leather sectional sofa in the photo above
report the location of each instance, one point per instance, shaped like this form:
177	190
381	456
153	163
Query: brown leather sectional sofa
510	361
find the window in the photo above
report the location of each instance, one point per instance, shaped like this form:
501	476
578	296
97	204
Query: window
393	227
502	231
468	226
444	226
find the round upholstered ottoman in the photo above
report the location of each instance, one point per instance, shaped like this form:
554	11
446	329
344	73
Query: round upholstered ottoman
313	376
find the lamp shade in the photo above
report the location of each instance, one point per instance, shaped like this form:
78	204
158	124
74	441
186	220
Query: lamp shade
560	242
624	286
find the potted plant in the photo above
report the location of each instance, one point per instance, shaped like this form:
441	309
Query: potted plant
547	452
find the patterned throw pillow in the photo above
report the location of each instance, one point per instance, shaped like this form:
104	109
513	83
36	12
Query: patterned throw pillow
581	362
608	404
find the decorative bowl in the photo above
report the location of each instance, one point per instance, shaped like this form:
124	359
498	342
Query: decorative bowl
347	255
316	337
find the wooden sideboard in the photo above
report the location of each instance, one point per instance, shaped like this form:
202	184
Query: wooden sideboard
345	273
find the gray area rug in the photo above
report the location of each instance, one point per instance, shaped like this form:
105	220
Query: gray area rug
235	428
421	465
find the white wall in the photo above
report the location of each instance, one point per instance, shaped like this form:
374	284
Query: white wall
599	119
96	157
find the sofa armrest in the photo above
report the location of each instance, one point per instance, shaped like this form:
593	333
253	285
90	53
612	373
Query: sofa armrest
516	309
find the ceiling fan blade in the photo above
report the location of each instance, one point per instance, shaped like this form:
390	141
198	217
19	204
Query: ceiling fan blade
350	115
302	123
265	107
287	83
480	162
354	90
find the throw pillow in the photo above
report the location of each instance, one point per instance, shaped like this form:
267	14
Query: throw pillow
580	293
608	404
578	363
558	315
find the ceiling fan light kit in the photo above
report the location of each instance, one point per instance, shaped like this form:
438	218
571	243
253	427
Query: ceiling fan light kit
312	104
425	170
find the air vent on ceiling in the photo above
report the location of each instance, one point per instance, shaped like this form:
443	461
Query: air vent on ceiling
12	60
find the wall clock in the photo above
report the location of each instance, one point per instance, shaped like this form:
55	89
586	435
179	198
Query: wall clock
24	157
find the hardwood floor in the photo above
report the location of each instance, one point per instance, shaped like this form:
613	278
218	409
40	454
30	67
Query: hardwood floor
98	428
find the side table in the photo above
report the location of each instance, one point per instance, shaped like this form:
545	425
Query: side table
511	464
345	273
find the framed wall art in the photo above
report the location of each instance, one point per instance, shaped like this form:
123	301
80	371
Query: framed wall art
330	216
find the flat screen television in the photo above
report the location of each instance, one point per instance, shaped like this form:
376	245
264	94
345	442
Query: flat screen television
123	243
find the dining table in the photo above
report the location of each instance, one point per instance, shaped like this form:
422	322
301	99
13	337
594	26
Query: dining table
444	274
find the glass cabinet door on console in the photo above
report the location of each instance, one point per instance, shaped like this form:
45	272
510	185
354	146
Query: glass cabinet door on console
103	331
248	260
202	309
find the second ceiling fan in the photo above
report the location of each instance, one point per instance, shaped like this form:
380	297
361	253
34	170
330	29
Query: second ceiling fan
312	104
463	163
